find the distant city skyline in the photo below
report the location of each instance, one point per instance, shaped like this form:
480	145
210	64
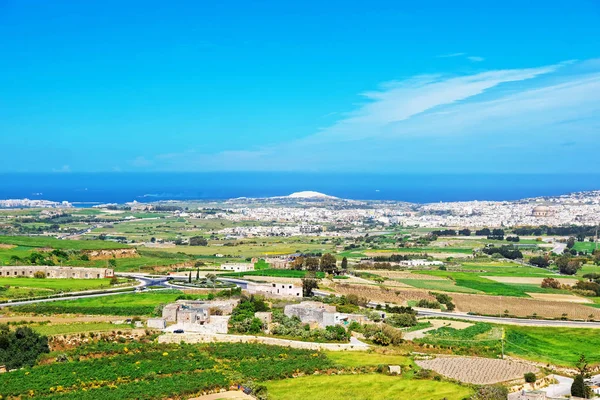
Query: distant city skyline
383	87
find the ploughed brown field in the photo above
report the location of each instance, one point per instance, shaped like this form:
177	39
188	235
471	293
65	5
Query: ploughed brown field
381	294
520	307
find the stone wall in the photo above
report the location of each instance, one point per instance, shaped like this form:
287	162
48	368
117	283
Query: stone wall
209	338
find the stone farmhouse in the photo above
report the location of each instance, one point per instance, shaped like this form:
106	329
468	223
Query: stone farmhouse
198	316
323	315
312	312
57	272
275	289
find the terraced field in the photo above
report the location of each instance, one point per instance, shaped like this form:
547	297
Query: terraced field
476	370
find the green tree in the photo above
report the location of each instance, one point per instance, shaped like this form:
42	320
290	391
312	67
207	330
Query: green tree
344	264
309	283
579	387
198	241
328	263
112	263
21	347
190	277
312	264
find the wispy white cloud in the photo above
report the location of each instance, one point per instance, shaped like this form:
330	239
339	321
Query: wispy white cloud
400	101
475	58
503	118
451	55
465	55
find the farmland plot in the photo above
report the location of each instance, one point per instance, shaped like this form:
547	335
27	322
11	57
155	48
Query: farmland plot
520	307
475	370
399	296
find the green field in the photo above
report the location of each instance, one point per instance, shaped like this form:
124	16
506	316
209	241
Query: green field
64	329
283	273
50	242
20	288
364	387
477	282
361	358
558	346
445	285
128	304
587	247
561	346
58	285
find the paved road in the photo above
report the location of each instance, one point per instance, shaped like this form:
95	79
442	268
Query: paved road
559	248
509	321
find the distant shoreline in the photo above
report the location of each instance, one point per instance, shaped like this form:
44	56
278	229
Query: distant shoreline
94	188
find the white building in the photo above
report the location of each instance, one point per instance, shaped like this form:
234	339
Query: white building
237	267
277	289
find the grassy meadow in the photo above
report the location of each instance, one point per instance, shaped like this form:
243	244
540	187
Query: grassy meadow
364	387
129	304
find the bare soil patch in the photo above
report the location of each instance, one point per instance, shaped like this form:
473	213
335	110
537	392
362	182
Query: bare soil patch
528	280
383	294
569	298
520	307
232	394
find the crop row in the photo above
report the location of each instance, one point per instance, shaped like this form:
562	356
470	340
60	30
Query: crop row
158	388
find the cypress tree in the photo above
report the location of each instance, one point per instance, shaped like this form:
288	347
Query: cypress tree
578	388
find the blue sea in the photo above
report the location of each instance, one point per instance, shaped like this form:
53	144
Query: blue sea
91	188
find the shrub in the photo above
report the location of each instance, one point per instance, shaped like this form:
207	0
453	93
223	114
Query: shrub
490	392
402	320
590	286
381	339
586	293
529	377
550	283
423	303
394	334
39	275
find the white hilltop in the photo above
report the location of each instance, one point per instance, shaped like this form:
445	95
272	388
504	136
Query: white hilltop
310	195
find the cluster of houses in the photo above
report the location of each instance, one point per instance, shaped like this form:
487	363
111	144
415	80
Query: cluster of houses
212	317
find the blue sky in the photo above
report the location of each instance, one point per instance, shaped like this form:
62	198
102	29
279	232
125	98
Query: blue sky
423	86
